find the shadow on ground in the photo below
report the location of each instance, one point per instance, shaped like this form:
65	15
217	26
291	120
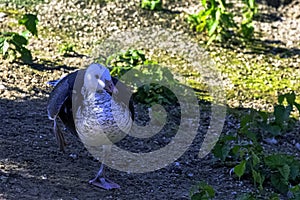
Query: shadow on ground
31	166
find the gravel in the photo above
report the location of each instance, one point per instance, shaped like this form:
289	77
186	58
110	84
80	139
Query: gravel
25	171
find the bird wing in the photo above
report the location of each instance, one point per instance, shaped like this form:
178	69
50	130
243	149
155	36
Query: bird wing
61	92
60	105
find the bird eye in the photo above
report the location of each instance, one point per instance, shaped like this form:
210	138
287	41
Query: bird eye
97	76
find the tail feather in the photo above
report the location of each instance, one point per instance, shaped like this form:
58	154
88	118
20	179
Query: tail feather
53	82
59	136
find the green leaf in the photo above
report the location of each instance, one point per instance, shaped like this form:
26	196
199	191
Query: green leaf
295	190
239	170
19	40
274	161
201	27
151	4
221	151
30	21
258	178
204	4
279	183
290	98
209	190
213	28
211	39
202	191
263	115
273	129
281	114
294	169
255	159
222	5
251	3
281	98
246	196
247	30
246	119
219	14
197	196
236	150
25	34
274	196
252	136
285	172
26	55
278	160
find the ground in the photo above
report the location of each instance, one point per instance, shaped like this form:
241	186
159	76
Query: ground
32	167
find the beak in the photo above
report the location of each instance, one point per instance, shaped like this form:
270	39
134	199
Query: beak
110	87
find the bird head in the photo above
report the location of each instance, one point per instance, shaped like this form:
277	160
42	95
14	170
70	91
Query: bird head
97	77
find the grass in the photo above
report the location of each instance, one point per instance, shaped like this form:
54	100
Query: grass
252	81
262	78
25	3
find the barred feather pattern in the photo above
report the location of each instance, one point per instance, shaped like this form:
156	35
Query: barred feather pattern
100	120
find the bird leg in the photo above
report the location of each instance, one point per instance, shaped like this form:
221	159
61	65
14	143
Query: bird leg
59	136
99	180
102	182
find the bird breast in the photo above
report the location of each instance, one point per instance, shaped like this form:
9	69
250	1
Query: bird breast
100	120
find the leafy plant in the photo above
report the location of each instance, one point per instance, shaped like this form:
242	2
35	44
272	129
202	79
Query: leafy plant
294	192
280	122
202	191
12	43
253	196
125	61
249	10
246	196
270	125
155	93
244	147
219	23
151	4
142	69
214	19
284	170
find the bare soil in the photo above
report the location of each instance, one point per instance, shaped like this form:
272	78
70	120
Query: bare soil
31	166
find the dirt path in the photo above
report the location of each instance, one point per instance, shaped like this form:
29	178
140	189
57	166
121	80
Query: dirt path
31	167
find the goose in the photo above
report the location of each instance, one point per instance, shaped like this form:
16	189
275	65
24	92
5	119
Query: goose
92	106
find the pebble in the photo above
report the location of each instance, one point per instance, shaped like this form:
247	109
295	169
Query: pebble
73	155
271	140
2	15
190	174
2	87
297	145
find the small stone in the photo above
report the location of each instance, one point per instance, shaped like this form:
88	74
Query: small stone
271	140
44	177
73	155
2	87
190	174
297	146
2	15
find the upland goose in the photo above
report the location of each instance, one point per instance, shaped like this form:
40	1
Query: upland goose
84	98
